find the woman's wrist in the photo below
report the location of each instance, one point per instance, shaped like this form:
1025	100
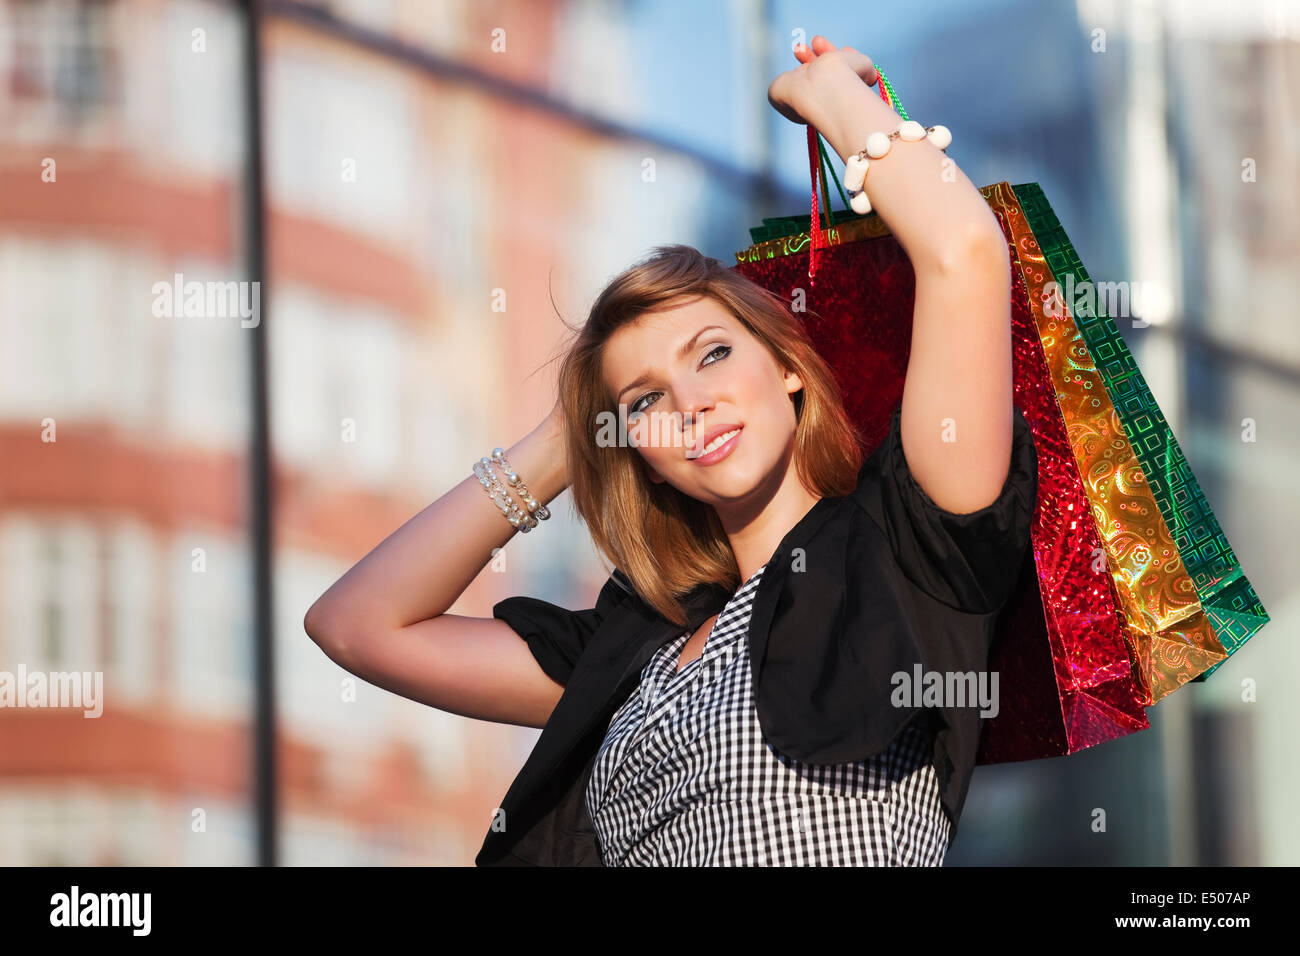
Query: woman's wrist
543	450
851	111
917	190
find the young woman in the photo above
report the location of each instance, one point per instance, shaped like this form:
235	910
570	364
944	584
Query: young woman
731	698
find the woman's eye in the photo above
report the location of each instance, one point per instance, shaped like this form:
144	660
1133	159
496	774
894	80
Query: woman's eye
720	348
637	407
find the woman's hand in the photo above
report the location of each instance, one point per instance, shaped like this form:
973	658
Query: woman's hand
806	93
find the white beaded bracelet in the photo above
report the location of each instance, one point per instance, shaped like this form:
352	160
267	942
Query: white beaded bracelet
878	144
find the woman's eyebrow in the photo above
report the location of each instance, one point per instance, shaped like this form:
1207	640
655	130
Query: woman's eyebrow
681	353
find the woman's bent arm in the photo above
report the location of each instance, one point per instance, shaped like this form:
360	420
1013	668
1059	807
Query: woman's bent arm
473	666
385	619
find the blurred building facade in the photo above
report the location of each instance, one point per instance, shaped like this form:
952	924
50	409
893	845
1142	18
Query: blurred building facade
425	209
427	163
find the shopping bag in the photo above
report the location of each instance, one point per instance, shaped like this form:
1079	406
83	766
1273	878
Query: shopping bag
1225	593
1170	636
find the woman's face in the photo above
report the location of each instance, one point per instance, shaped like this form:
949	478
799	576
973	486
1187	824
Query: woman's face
688	373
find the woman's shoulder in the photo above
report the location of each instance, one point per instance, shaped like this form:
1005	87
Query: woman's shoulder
969	561
621	581
885	470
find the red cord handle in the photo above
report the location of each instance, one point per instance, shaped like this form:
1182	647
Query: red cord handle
814	164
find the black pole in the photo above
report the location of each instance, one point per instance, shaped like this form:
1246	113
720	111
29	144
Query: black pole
259	452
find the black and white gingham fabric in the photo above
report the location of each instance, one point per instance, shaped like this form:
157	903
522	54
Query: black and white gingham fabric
685	778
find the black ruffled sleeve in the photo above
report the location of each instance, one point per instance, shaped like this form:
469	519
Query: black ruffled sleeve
969	561
557	636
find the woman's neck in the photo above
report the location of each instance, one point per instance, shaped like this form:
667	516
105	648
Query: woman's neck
755	538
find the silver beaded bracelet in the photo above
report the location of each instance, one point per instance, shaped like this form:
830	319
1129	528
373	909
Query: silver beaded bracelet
523	521
534	506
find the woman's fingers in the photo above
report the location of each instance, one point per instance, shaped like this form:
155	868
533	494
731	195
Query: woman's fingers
820	45
861	64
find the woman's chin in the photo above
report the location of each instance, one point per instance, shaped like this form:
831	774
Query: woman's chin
732	486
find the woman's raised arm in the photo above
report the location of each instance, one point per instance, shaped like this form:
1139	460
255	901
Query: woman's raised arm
956	423
385	619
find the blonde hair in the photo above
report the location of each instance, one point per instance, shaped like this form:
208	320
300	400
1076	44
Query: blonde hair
666	542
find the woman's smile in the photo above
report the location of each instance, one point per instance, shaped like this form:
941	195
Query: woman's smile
719	448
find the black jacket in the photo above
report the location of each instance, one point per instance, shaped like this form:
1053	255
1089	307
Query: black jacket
861	588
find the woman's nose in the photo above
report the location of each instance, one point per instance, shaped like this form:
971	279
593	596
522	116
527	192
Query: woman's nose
693	402
691	419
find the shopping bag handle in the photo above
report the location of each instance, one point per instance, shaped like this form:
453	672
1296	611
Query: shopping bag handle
819	163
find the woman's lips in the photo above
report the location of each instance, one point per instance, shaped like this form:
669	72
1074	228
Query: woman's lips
722	451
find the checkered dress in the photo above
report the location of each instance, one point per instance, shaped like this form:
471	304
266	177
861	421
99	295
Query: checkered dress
685	778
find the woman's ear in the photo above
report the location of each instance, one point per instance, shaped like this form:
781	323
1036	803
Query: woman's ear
793	382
